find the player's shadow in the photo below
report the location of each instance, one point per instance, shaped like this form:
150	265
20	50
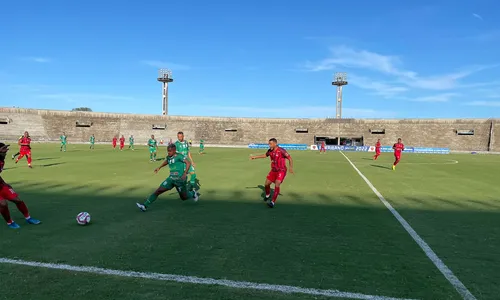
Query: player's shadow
366	158
263	189
52	164
381	167
45	158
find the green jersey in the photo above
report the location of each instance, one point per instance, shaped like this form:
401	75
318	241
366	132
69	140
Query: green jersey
131	140
92	139
177	165
63	139
152	143
202	142
182	147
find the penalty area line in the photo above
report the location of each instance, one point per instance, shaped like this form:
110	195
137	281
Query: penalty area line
199	280
448	274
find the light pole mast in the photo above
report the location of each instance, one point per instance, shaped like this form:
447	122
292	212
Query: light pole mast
165	77
339	79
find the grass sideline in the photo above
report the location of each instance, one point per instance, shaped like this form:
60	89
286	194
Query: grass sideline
328	230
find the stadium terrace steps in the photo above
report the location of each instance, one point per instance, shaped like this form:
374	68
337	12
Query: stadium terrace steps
45	125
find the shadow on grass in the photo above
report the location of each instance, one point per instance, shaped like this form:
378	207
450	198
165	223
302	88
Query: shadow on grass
52	164
381	167
329	239
45	158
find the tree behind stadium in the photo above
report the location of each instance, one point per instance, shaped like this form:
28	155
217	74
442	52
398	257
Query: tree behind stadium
82	109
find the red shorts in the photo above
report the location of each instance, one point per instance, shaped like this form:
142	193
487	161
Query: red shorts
122	145
7	193
377	151
273	176
114	144
26	151
322	149
397	156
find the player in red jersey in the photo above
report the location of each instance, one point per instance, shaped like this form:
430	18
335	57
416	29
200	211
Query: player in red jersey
278	157
114	142
25	144
7	193
377	149
322	149
398	149
122	143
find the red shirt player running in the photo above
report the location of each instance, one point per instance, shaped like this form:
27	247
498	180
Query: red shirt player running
278	157
114	142
323	147
122	142
8	194
377	149
25	150
398	149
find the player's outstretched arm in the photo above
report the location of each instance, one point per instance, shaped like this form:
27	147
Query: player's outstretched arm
191	159
252	157
165	162
290	164
188	165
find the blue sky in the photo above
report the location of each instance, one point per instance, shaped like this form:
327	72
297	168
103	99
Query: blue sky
274	58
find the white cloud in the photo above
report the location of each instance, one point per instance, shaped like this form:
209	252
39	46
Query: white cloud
378	88
477	16
167	65
290	112
436	98
391	66
484	103
37	59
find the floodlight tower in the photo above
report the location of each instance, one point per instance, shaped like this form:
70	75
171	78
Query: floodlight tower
339	79
165	76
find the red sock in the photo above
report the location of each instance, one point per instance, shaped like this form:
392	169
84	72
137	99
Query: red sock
276	193
268	190
29	160
4	210
396	162
23	209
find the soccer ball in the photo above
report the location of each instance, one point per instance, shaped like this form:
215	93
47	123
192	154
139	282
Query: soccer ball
83	218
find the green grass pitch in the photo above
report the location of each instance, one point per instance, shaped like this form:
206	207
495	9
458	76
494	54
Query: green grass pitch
327	231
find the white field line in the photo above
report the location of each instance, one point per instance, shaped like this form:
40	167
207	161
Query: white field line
455	282
198	280
366	162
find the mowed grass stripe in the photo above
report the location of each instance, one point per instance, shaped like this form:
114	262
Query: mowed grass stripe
197	280
450	276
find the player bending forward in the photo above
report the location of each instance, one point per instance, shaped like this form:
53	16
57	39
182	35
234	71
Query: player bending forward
179	166
8	194
398	149
277	175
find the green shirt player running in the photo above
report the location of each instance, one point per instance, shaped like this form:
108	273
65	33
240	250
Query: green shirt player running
179	166
131	142
202	146
64	141
183	148
92	142
153	147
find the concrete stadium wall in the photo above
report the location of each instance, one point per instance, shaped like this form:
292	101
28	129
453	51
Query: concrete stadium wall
47	125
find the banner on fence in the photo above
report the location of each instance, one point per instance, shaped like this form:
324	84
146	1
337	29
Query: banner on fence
284	146
383	149
343	148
